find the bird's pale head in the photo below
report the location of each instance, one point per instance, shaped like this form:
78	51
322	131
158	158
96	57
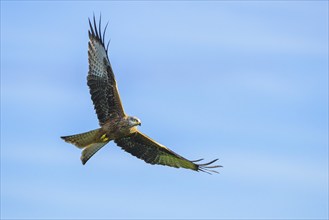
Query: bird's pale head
134	121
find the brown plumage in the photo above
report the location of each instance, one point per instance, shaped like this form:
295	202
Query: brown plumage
115	124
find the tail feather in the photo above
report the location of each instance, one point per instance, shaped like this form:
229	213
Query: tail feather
90	150
83	139
90	142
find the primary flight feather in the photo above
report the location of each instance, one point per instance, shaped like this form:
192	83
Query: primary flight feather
114	123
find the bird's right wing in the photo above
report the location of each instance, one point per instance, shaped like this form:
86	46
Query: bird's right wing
101	81
150	151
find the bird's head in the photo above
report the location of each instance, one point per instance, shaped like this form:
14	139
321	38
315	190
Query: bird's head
134	121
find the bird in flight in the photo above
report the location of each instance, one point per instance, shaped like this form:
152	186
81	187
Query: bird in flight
114	123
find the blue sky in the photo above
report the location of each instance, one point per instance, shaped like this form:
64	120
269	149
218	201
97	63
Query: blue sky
245	82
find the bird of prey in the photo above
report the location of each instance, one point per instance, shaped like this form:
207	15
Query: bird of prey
114	123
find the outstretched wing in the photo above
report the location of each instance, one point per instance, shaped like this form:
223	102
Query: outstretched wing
101	80
145	148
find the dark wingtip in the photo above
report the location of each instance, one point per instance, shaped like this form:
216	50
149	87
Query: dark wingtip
95	31
206	168
104	32
91	27
206	164
107	46
83	161
100	26
95	26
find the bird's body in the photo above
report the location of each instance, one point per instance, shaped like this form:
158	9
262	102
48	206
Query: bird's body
114	123
118	128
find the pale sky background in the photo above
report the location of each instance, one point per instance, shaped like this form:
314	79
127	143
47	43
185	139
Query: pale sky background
242	81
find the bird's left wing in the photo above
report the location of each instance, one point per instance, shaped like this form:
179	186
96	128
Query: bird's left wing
150	151
101	81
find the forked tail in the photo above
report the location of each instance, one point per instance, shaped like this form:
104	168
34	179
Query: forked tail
90	142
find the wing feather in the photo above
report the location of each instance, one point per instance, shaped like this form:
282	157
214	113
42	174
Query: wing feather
151	152
101	81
